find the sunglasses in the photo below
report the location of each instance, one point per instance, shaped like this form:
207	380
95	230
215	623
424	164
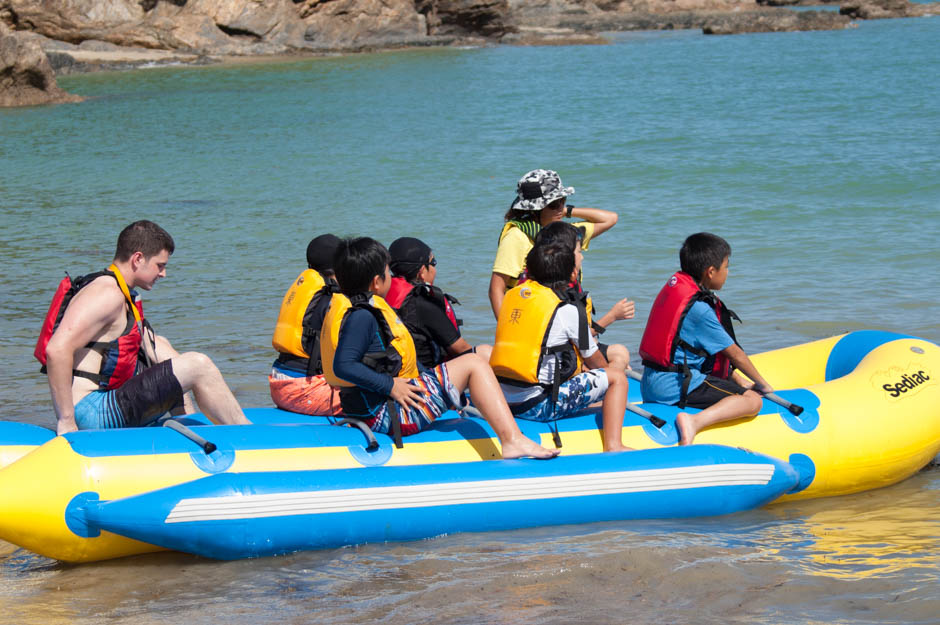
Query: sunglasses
431	263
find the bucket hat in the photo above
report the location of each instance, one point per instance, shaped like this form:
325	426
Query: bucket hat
539	188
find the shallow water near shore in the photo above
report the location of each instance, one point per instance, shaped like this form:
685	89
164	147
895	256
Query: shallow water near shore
815	154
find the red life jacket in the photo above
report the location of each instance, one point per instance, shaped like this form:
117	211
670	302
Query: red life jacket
401	289
119	358
401	296
661	336
398	291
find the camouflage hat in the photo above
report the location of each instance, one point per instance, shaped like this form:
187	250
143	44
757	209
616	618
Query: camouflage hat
539	188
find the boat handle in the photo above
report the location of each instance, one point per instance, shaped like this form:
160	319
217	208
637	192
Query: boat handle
176	426
795	409
646	414
370	437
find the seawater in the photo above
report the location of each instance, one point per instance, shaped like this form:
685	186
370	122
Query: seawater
815	154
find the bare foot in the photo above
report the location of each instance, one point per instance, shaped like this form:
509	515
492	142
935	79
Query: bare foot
522	447
619	447
684	427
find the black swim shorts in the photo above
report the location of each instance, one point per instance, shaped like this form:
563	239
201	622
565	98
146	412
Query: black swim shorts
712	391
139	401
149	395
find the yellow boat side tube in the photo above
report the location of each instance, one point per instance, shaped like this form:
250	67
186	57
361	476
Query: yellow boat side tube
871	426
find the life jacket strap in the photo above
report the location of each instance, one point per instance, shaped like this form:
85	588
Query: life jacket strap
395	416
315	362
517	409
655	366
94	377
583	327
127	294
694	350
682	369
686	380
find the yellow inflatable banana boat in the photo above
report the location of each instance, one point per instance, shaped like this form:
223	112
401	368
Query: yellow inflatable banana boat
871	412
870	418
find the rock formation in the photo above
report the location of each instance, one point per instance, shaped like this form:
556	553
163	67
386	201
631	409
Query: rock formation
775	22
263	27
216	26
356	24
253	27
882	9
26	77
713	16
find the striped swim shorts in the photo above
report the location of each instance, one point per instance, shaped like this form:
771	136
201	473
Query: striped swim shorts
439	397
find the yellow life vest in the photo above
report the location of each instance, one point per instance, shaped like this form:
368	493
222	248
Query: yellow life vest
289	331
522	331
400	347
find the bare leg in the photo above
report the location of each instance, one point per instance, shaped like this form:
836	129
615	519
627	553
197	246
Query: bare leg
164	351
484	351
618	357
198	373
471	371
613	407
728	409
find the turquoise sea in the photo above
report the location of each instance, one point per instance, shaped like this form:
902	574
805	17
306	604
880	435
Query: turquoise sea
817	155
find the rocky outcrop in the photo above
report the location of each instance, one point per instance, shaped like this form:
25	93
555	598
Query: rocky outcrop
92	56
26	77
776	21
466	18
200	28
216	26
605	14
882	9
712	16
357	24
253	27
797	3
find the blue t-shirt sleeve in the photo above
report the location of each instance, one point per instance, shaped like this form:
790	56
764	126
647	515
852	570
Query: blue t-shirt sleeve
358	336
702	329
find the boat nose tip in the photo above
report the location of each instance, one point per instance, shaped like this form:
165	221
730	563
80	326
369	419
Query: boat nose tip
30	490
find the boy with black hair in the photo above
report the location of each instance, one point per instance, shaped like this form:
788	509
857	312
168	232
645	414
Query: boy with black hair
617	355
689	348
296	380
542	339
369	354
426	310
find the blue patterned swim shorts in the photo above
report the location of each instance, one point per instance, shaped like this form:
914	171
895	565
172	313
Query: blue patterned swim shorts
574	395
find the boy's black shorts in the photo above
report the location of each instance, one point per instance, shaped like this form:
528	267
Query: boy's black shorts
712	391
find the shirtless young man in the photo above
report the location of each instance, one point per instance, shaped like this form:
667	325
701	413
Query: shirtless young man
101	322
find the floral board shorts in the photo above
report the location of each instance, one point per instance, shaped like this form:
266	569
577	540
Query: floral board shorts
574	395
439	397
